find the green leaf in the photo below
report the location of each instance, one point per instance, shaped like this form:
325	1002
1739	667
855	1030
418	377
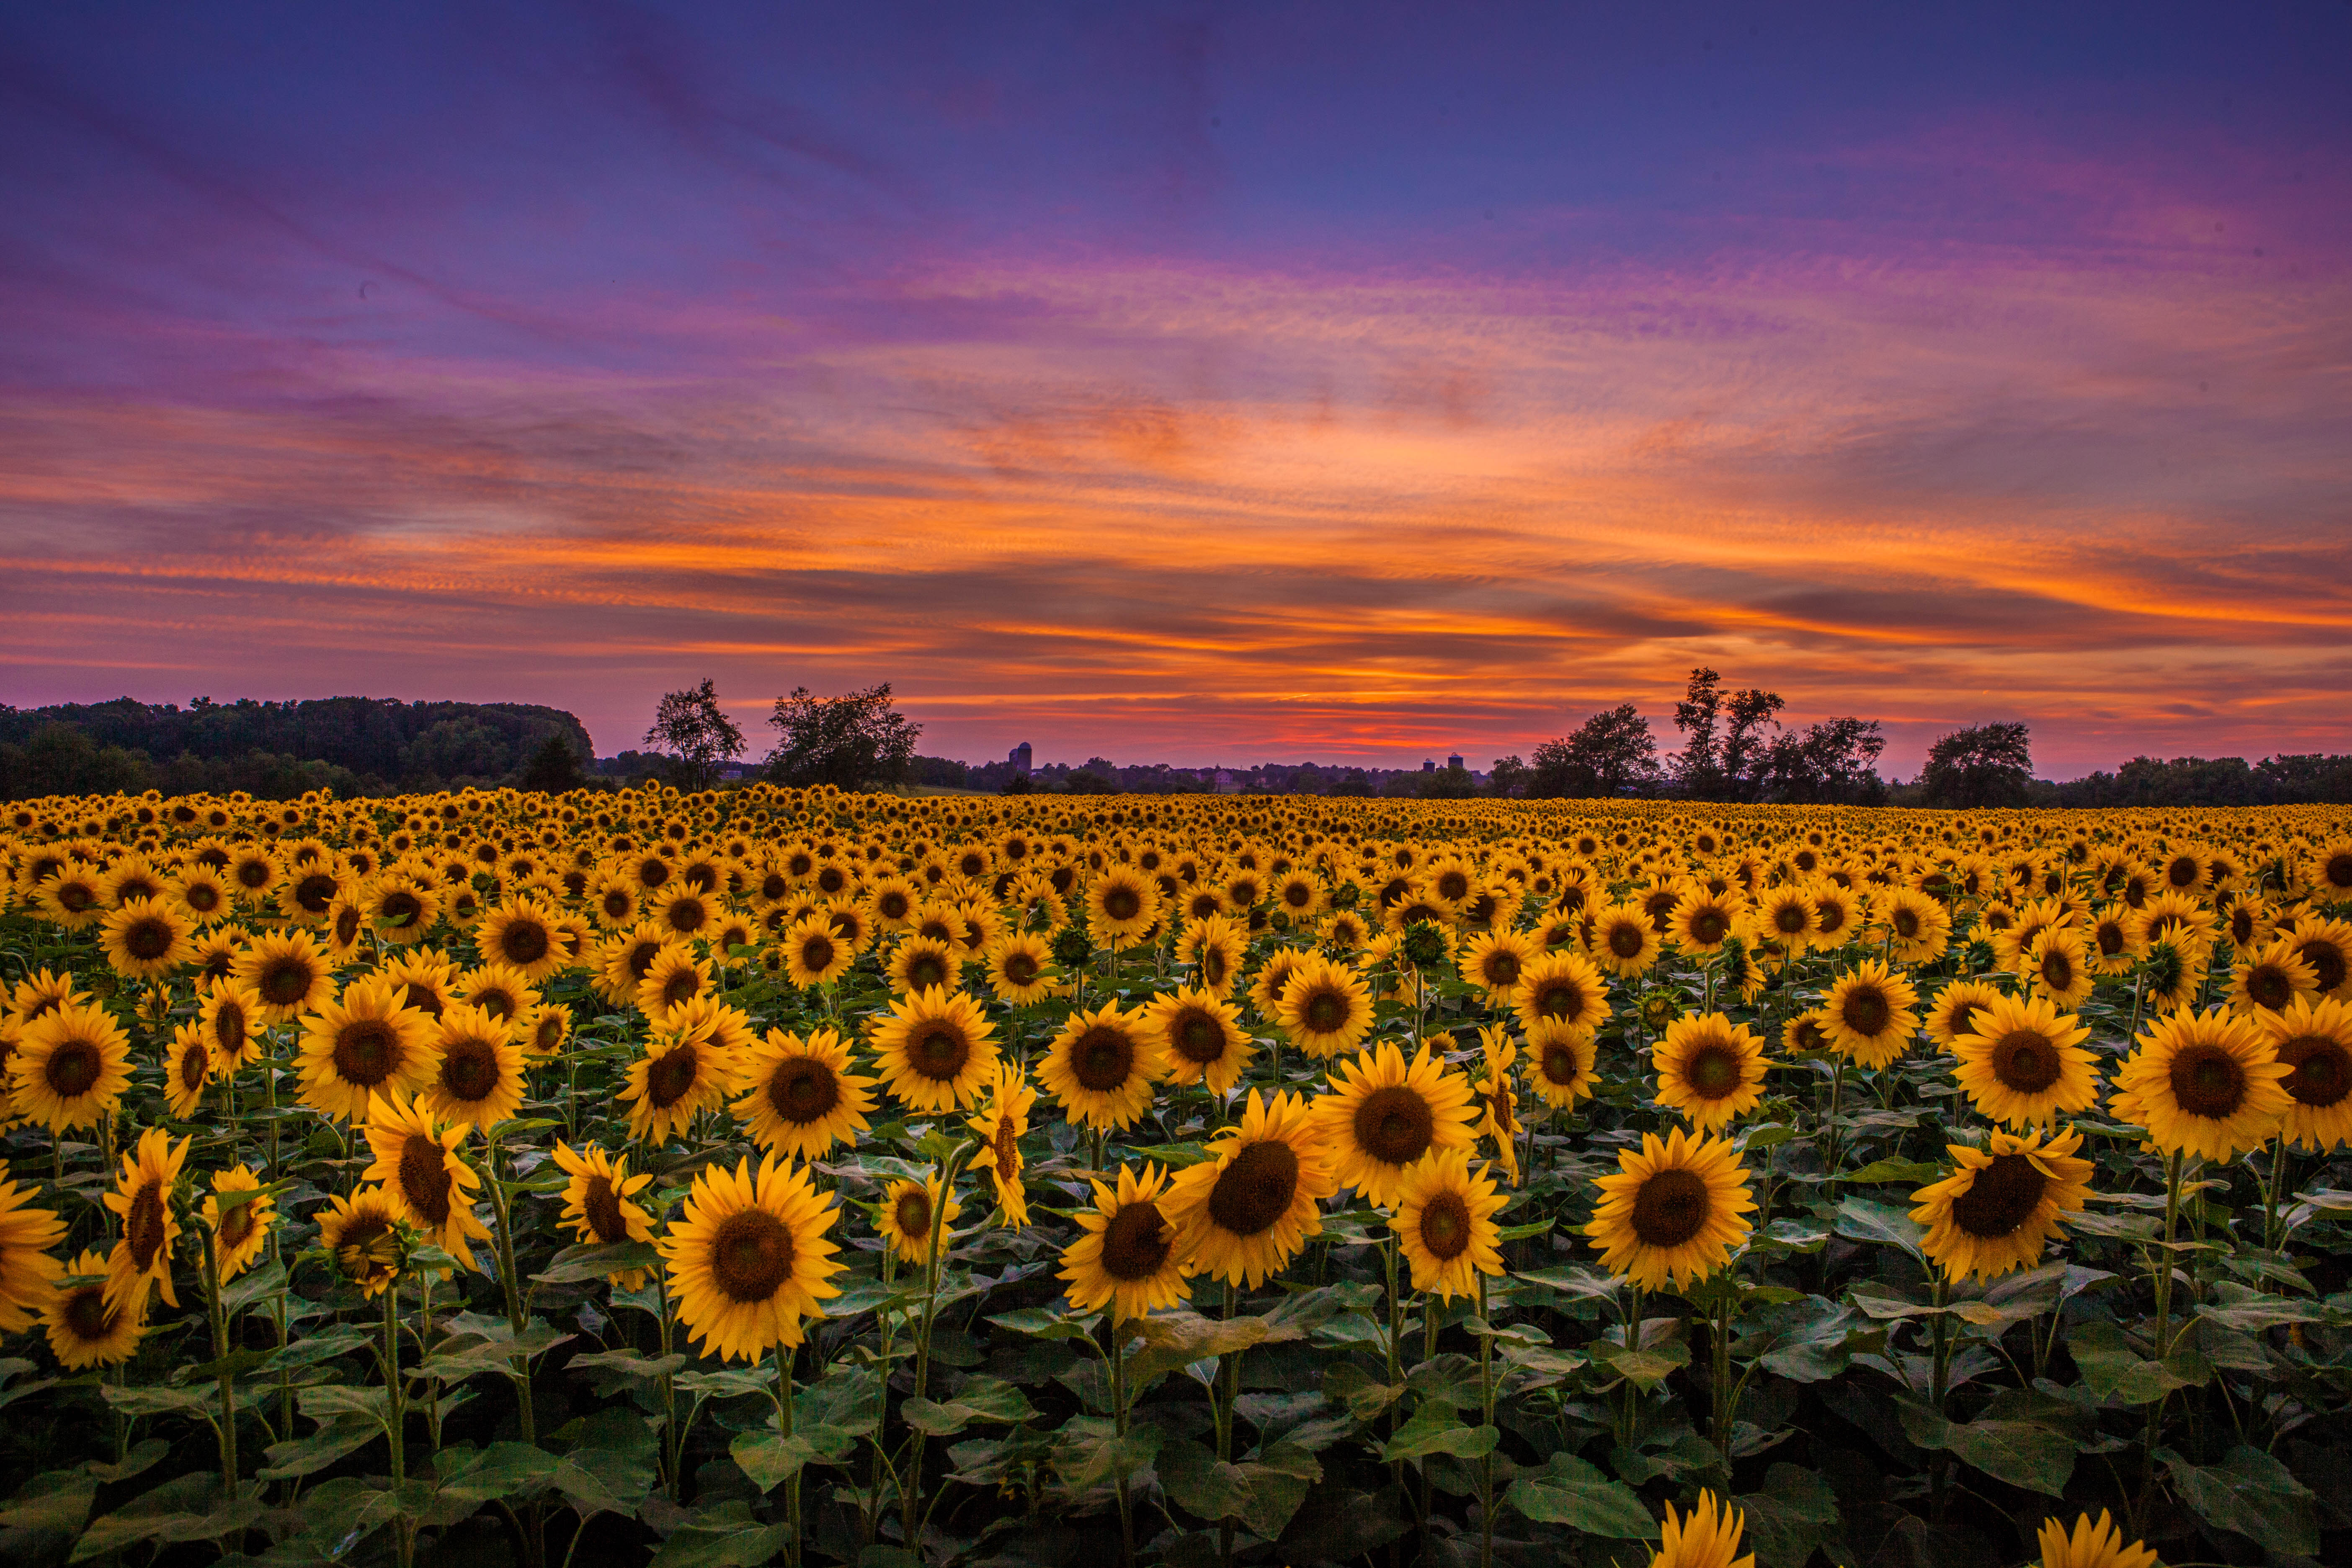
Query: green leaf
332	1400
2249	1493
2023	1453
143	1457
1093	1458
1571	1491
1892	1170
1039	1324
1807	1341
2111	1370
1200	1483
1795	1514
186	1508
1644	1368
771	1459
603	1480
307	1456
1435	1429
1279	1480
1861	1219
54	1503
252	1287
154	1401
1574	1279
1350	1386
499	1471
2236	1307
578	1265
723	1537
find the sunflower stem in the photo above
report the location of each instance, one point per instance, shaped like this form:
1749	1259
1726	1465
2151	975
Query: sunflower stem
1487	1409
396	1408
785	1425
2272	1238
2163	1283
1119	1429
520	1374
218	1310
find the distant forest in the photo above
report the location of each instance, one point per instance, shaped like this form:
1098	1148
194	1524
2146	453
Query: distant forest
275	750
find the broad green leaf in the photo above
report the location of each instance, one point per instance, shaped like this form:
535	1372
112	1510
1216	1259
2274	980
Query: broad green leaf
1039	1324
1863	1219
1911	1171
1200	1483
579	1265
1089	1459
724	1537
2023	1453
2111	1370
307	1456
1644	1368
2236	1307
2249	1493
1435	1429
771	1459
1795	1514
1571	1491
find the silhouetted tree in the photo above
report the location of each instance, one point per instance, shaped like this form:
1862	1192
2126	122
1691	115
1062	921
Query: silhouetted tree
697	734
1609	752
1833	763
1987	764
846	742
554	768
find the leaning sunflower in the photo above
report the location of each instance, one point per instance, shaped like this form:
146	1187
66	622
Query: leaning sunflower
2023	1064
935	1049
1868	1015
1203	1037
597	1204
141	1199
1124	1258
187	1070
367	1042
1673	1211
87	1327
2314	1040
1244	1214
227	1012
675	978
239	1229
682	1073
70	1068
1384	1112
1444	1221
800	1097
27	1269
748	1261
426	1183
2204	1083
362	1235
1710	1069
1000	1125
1101	1067
1325	1008
910	1213
2002	1203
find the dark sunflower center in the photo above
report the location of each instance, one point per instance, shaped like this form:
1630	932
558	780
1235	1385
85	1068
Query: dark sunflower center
1865	1011
1256	1189
672	1076
365	1051
86	1315
200	897
913	1213
1833	919
315	893
347	925
2057	970
2327	961
804	1089
938	1049
1212	966
193	1064
1020	969
2322	1072
1325	1011
495	1001
1626	941
1502	967
751	1255
252	875
1102	1058
2338	871
1789	920
424	1178
1558	1063
1122	903
926	969
1561	999
399	909
1906	924
2110	935
1445	1227
1709	926
617	903
143	1228
423	997
1198	1038
2207	1081
2004	1196
641	958
469	1069
1713	1071
1672	1207
2267	986
235	1225
147	939
72	1067
1136	1242
602	1204
1394	1124
2025	1061
285	981
816	955
548	1033
688	914
523	941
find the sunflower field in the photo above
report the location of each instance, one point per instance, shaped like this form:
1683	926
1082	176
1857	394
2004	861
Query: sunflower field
767	1175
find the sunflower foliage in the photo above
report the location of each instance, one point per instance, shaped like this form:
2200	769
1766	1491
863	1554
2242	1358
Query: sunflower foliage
787	1174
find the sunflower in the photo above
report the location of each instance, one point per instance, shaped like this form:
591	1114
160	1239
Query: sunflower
500	990
1444	1221
1202	1037
188	1068
70	898
911	1211
70	1068
1562	1062
1496	961
1101	1067
597	1204
226	1013
1868	1015
1789	916
2099	1545
1121	904
42	991
921	964
2022	1062
1948	1012
2115	939
2059	963
800	1097
1497	1095
345	923
1241	1214
362	1235
1919	928
674	978
682	1073
616	901
146	939
480	1082
1562	988
935	1049
238	1230
813	954
2204	1083
1704	1537
1000	1124
893	900
27	1269
1384	1112
364	1044
87	1327
544	1030
2177	918
1325	1008
287	972
1214	947
399	908
1124	1260
428	1186
253	871
2275	977
200	890
686	912
1673	1211
1837	913
1710	1069
1623	941
1701	922
2002	1203
2314	1040
1343	931
1018	969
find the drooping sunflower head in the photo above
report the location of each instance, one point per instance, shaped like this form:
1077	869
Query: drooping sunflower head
1124	1258
1384	1112
597	1204
423	1177
362	1235
2002	1203
675	977
1673	1211
800	1097
1562	1062
240	1226
187	1070
1244	1214
141	1200
85	1327
1710	1069
682	1072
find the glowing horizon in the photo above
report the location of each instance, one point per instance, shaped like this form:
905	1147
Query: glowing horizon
1098	387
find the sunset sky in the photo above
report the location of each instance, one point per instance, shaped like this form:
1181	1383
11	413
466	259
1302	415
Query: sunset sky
1190	384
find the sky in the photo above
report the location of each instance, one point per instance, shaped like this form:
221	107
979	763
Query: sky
1190	384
